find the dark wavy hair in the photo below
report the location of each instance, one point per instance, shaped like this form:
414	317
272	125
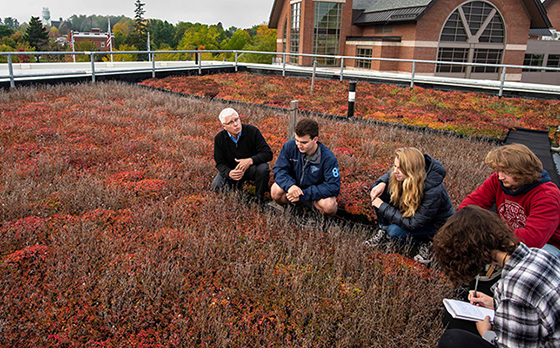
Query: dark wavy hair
307	126
464	245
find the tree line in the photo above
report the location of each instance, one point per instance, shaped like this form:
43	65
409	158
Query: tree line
131	34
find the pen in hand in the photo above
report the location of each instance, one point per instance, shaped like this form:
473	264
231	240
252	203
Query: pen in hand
476	285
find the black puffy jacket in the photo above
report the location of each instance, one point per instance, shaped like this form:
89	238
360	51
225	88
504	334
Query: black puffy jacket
435	207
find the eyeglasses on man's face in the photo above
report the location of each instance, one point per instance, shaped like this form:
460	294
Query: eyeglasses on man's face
235	120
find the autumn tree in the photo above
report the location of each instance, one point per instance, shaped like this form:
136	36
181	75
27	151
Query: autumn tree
122	30
263	41
203	35
238	41
180	30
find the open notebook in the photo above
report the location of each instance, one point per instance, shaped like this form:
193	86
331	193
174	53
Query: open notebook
466	311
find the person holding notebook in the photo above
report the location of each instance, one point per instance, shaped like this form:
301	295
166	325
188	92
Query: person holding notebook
527	297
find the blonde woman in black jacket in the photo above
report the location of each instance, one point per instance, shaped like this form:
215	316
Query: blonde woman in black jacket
411	200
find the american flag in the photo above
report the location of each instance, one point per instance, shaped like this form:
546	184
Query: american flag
109	41
71	40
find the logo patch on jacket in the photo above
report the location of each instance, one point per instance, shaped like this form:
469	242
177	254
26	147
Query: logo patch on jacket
314	169
335	172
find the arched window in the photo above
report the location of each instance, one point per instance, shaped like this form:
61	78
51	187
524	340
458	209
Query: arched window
473	33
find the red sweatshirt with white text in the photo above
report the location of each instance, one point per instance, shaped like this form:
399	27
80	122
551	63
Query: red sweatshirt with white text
532	212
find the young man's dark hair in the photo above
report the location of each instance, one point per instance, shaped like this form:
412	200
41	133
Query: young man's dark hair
307	126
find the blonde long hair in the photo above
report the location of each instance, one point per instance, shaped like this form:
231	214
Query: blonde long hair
407	194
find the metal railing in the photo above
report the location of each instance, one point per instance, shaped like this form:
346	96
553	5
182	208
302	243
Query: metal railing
412	78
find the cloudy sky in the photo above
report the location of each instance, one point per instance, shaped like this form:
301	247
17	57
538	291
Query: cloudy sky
238	13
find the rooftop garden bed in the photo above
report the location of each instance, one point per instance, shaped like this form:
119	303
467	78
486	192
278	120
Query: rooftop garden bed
471	114
111	236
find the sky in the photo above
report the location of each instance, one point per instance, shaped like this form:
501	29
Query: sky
239	13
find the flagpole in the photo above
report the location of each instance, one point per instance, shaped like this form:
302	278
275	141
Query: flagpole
148	47
109	38
72	44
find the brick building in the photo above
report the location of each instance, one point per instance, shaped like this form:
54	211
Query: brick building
543	49
96	36
490	31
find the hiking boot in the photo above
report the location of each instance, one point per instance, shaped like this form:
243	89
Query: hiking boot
379	238
425	255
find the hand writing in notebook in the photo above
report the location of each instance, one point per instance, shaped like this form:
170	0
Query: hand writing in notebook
481	300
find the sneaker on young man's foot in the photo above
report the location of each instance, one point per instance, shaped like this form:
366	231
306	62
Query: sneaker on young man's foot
424	255
379	237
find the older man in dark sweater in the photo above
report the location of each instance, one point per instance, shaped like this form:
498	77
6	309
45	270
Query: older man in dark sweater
241	153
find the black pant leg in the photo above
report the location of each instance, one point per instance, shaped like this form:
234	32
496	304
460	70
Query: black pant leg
457	338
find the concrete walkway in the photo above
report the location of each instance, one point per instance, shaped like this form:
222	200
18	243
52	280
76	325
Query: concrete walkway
25	72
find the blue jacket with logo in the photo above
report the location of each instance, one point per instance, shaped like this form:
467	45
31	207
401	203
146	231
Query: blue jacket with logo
318	178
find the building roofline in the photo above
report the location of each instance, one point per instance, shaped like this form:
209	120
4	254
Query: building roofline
536	9
275	14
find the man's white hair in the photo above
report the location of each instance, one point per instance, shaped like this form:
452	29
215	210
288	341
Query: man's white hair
226	113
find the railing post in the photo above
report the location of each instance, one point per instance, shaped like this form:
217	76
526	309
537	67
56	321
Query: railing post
283	64
351	97
341	69
153	65
502	82
313	75
199	63
412	74
293	118
11	71
92	67
235	61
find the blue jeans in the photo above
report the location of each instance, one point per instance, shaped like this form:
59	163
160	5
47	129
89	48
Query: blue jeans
551	249
423	235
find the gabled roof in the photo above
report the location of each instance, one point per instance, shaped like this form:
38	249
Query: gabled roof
275	14
388	5
388	11
370	12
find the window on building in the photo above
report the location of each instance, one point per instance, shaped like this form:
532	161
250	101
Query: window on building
326	36
487	56
553	61
285	34
383	29
533	60
366	53
294	31
450	54
473	33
